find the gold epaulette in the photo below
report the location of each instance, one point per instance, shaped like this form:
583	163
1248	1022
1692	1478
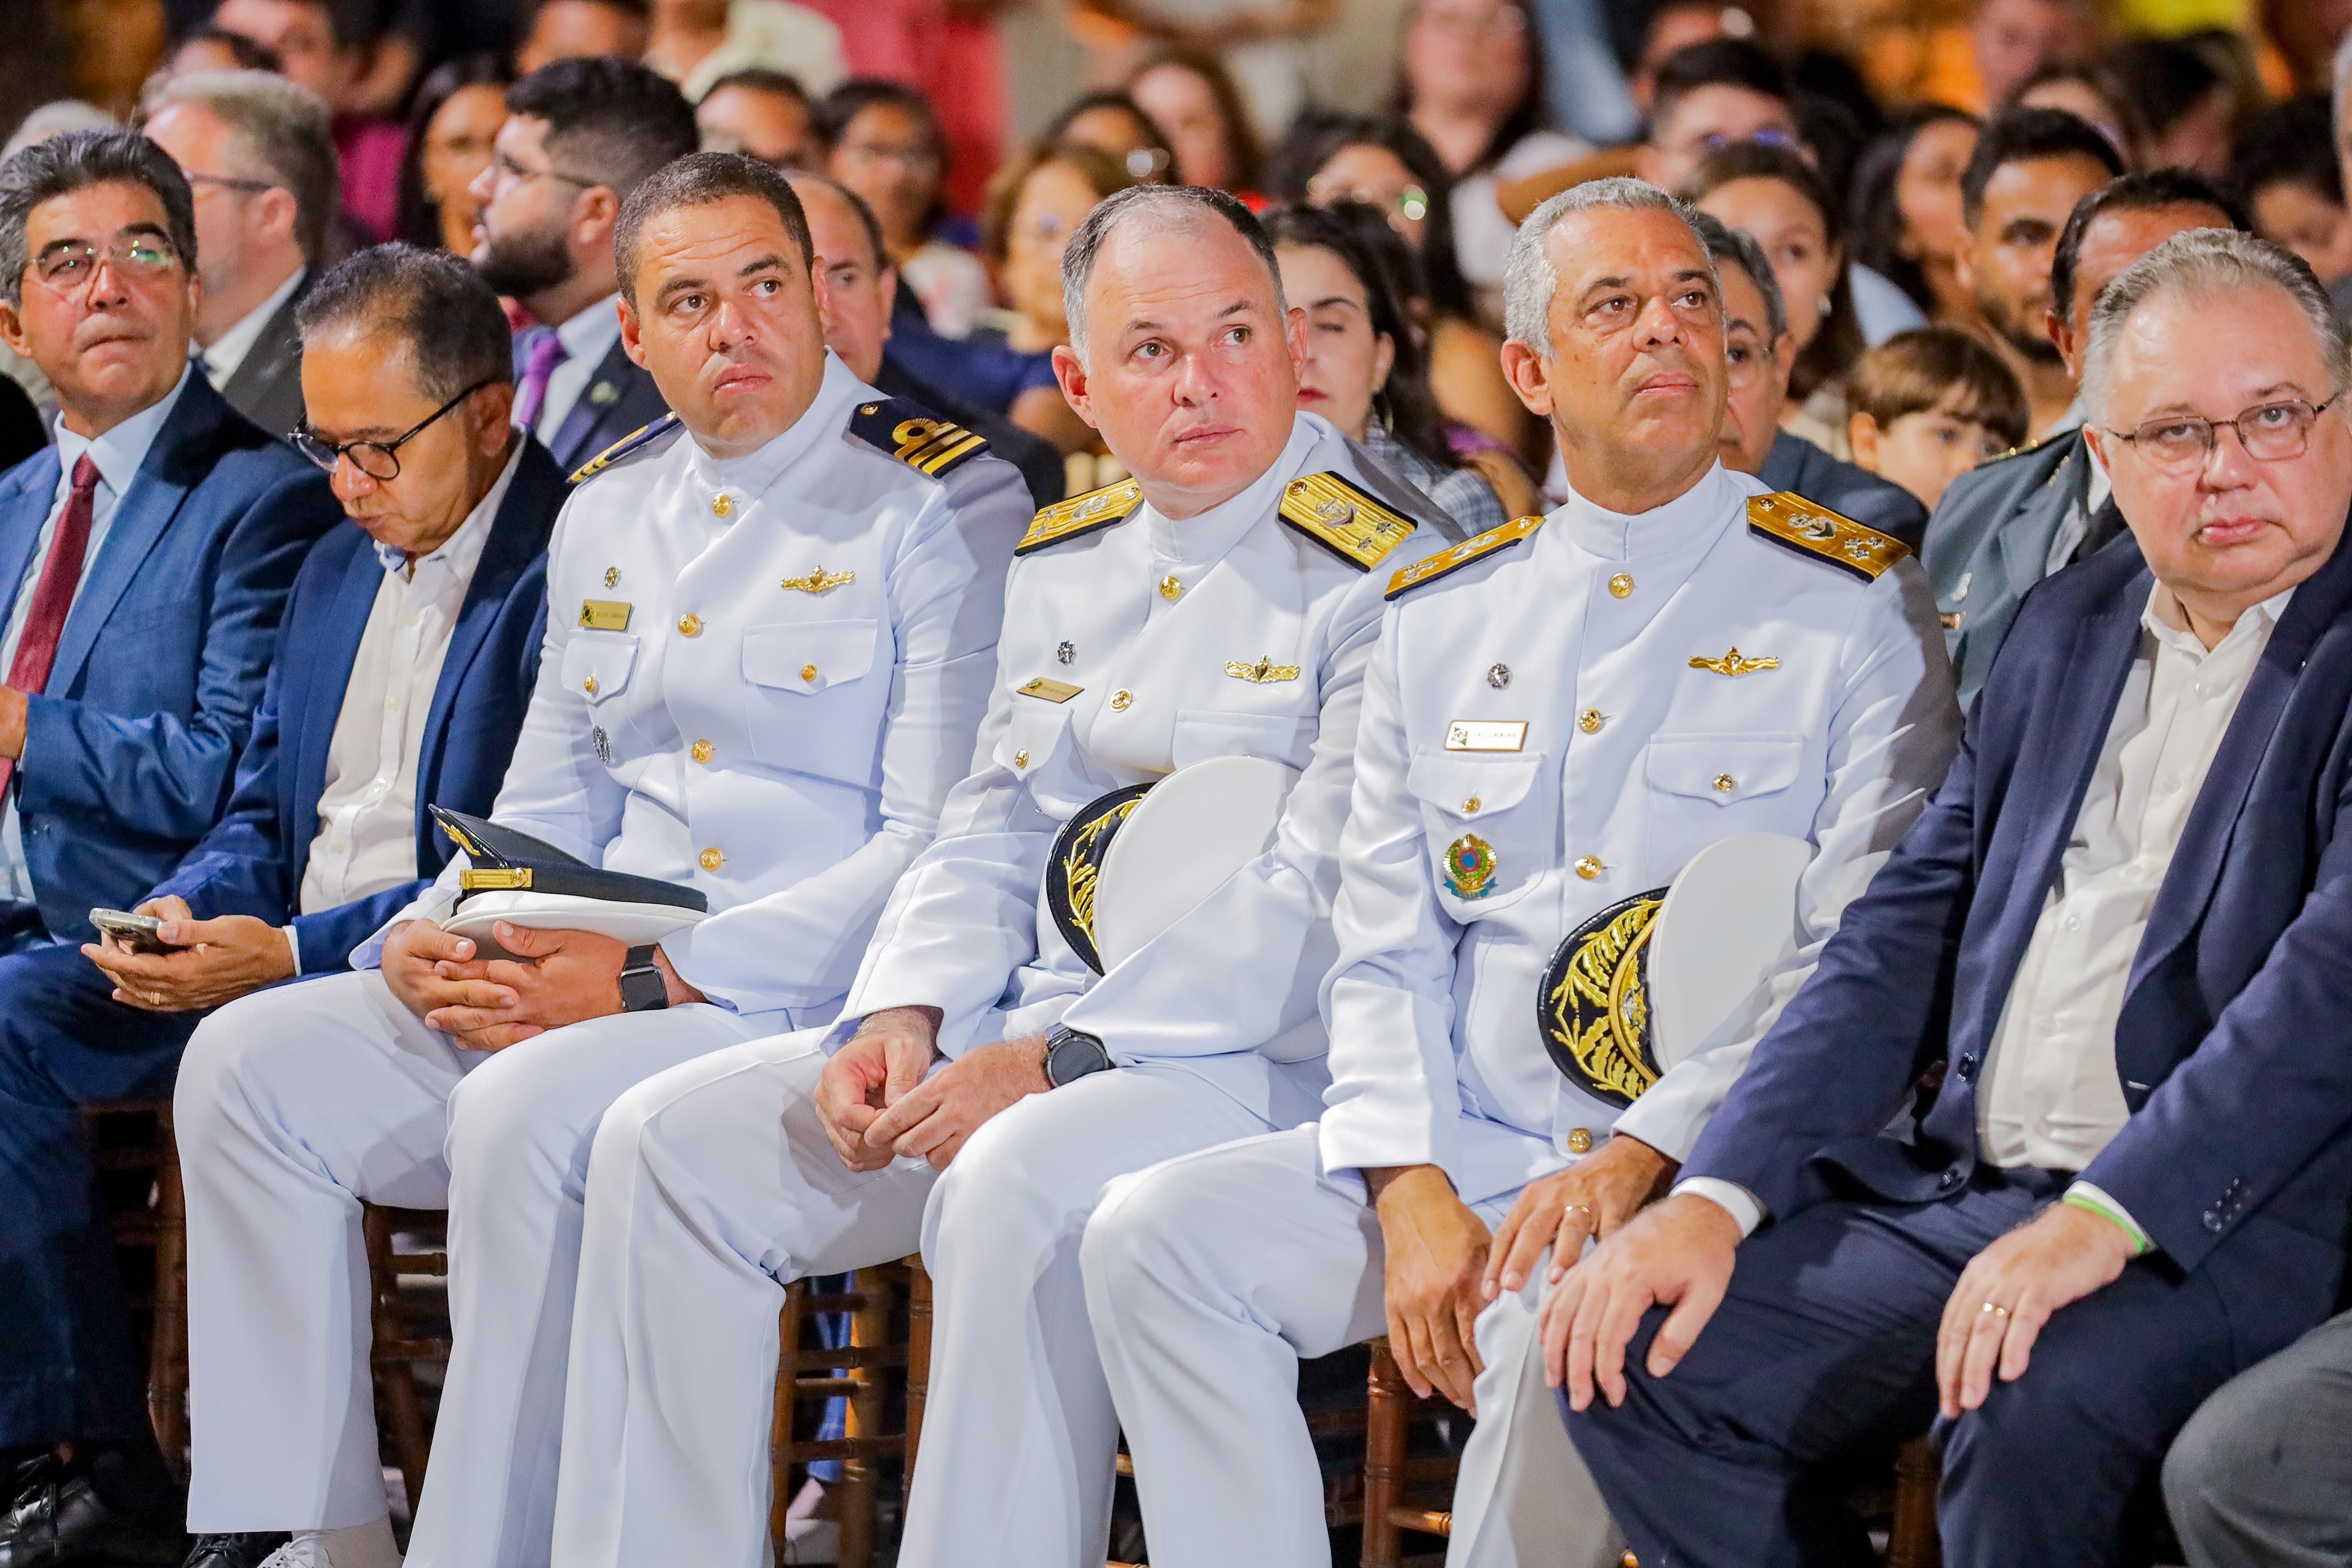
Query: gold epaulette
915	435
1343	519
1788	519
1082	515
1431	567
635	440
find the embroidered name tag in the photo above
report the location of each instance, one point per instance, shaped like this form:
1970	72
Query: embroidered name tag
604	615
1486	735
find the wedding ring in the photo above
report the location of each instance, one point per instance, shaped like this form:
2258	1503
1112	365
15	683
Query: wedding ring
1576	1208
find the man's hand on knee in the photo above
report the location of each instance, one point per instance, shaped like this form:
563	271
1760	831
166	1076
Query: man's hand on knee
1590	1199
938	1117
2011	1289
1432	1281
886	1058
1678	1253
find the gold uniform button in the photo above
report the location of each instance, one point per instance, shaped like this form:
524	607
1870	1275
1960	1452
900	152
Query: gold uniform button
1121	700
1620	586
1725	783
722	505
1590	721
703	751
1170	590
711	860
1470	807
808	674
589	685
1021	758
1580	1140
690	625
1589	867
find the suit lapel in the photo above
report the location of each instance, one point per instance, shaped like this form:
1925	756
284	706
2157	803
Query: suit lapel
575	437
324	675
33	489
175	464
2023	542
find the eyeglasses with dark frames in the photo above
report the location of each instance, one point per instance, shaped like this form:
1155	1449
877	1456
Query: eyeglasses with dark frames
2276	432
378	460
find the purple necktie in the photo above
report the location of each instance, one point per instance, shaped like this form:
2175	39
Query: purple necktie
541	353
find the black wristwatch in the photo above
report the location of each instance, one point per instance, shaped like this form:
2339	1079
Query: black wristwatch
1071	1054
643	989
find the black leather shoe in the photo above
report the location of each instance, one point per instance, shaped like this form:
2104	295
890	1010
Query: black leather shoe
245	1548
57	1521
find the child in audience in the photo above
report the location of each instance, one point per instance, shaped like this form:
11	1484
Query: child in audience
1929	405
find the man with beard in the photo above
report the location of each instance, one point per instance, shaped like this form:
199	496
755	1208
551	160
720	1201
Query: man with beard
2031	167
580	135
2005	525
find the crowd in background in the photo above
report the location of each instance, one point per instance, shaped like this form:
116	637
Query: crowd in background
1840	136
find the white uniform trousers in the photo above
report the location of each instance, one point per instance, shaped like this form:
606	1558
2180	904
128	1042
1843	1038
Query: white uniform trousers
1523	1495
295	1104
1019	1436
1208	1279
710	1187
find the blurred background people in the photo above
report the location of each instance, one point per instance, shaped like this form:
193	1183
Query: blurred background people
882	140
452	127
578	136
582	29
1115	123
1905	213
2287	173
259	156
696	42
318	46
1366	369
763	113
1189	95
1927	406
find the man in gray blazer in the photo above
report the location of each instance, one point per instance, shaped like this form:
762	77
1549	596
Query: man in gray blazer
260	157
2006	525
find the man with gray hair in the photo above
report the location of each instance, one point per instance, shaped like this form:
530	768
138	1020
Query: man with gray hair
1559	716
2114	943
259	157
1220	603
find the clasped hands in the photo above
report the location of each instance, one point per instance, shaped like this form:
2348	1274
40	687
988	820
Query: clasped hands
554	978
877	1104
1679	1254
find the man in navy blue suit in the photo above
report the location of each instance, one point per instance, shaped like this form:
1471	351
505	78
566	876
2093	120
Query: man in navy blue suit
2124	926
408	649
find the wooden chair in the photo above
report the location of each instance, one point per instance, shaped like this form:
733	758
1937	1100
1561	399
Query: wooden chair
1405	1494
810	1374
127	1137
407	1333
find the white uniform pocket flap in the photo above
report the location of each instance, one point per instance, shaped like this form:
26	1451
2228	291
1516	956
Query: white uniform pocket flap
1034	735
1471	787
597	663
808	656
1724	769
1201	734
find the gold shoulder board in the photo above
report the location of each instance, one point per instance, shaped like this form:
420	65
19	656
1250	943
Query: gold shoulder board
1082	515
1788	519
634	442
1342	518
1431	567
915	435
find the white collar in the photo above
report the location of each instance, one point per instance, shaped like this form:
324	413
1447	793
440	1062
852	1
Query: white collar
229	350
119	452
2167	622
753	473
1691	519
460	551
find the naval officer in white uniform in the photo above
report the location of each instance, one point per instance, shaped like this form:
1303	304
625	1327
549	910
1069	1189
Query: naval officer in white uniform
770	640
1223	602
1558	716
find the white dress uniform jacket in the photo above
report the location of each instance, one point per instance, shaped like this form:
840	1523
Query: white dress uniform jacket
762	677
1683	676
1133	645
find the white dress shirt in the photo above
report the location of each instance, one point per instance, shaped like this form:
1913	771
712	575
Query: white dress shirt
366	839
229	350
2051	1097
118	454
586	338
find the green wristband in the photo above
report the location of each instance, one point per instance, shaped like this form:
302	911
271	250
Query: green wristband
2139	1240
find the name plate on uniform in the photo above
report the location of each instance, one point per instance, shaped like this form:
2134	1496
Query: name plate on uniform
604	615
1048	690
1486	734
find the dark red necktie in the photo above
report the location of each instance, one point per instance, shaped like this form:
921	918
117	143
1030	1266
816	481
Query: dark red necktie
53	596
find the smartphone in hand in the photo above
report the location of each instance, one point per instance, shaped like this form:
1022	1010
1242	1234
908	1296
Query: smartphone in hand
136	932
